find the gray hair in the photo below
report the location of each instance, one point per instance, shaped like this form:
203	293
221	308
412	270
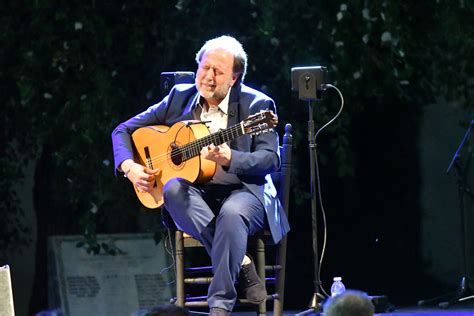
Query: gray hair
231	45
349	303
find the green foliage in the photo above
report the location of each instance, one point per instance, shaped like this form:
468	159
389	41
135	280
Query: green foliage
72	71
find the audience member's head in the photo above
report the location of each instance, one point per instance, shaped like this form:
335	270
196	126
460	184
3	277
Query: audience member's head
167	310
349	303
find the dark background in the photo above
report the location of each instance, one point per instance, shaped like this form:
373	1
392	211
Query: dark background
71	71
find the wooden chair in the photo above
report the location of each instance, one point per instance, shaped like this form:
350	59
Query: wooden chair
281	179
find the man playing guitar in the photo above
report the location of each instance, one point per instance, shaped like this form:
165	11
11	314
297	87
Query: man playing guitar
239	199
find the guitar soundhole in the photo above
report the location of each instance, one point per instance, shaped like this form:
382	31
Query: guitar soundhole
176	155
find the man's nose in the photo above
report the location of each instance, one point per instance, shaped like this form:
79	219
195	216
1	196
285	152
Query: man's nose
210	73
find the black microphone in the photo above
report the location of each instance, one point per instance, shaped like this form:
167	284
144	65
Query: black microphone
192	122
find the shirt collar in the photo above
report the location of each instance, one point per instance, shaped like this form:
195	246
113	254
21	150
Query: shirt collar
223	106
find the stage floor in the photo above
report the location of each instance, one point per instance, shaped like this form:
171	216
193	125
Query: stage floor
401	312
459	310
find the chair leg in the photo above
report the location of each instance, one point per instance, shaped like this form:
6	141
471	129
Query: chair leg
179	261
262	307
280	278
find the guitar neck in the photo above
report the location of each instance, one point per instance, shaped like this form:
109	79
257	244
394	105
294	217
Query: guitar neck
193	149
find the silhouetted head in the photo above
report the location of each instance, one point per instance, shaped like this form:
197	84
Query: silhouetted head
349	303
167	310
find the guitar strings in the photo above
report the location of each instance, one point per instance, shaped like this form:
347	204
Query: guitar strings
196	145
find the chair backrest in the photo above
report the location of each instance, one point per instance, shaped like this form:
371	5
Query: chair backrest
282	177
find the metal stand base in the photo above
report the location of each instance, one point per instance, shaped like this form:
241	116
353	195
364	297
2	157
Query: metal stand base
464	293
315	306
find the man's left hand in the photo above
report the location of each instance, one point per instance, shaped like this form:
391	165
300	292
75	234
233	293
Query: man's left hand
220	154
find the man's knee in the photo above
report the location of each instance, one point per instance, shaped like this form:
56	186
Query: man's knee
232	212
175	189
243	212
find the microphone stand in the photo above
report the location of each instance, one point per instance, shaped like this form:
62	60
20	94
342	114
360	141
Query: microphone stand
308	81
315	303
465	288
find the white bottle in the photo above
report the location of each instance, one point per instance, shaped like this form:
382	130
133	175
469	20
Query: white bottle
337	286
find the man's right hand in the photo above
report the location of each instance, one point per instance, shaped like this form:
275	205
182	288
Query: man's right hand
143	178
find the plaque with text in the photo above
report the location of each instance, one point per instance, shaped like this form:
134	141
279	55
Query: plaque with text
6	295
84	284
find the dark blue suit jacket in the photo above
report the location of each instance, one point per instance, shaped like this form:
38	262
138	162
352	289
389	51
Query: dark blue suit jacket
253	158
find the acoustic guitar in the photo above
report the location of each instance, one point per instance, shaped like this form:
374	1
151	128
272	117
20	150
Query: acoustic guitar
176	150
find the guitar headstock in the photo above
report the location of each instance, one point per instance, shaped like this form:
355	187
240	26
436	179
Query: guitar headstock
260	122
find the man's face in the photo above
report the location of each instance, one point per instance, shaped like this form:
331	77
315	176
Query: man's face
215	76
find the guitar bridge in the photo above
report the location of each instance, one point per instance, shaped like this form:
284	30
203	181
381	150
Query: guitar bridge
149	163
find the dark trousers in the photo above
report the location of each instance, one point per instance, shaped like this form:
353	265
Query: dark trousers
221	217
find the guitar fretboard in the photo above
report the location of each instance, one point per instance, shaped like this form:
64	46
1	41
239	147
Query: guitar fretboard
193	149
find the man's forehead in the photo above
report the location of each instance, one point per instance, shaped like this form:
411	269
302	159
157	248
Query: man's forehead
218	54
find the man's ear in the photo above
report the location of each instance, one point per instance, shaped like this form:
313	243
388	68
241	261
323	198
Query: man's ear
235	78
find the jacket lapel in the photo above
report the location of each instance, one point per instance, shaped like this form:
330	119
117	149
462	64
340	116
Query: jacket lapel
188	112
235	116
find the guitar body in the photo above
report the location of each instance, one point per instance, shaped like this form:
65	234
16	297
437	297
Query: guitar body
155	147
176	150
